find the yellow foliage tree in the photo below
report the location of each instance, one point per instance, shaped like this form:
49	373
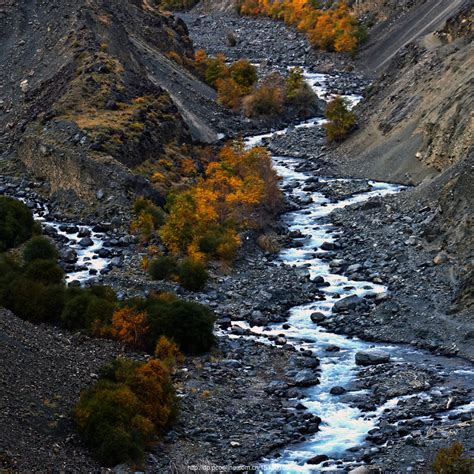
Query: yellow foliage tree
130	326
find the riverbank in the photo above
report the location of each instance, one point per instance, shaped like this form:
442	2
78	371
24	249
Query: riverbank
253	399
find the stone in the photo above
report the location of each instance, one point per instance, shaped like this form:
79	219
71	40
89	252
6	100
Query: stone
348	303
317	459
337	390
328	246
371	357
317	317
305	378
86	242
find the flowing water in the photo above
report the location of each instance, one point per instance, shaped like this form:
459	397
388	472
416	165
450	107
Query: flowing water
343	426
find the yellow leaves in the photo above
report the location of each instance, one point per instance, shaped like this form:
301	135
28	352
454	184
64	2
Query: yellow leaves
130	326
204	220
333	29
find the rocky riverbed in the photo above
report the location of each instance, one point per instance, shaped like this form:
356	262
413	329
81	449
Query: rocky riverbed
285	386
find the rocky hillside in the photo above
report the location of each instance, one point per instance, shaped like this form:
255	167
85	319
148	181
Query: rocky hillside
416	127
90	90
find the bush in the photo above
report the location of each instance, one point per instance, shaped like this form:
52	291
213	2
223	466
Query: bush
192	275
130	326
131	403
163	268
16	223
267	99
341	120
33	300
215	69
244	74
299	93
149	218
451	460
47	272
89	309
229	93
189	324
168	352
41	248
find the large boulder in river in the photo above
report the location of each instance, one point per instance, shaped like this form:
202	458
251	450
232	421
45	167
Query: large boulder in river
345	304
317	459
371	357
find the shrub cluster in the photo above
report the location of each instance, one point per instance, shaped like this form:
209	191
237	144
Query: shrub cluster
341	120
330	29
148	220
16	223
452	460
238	87
192	275
188	324
130	404
35	291
239	191
231	82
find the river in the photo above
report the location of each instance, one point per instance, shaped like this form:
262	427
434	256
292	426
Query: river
343	426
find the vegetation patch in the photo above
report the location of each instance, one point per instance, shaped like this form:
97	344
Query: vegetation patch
341	120
238	87
131	404
332	28
16	223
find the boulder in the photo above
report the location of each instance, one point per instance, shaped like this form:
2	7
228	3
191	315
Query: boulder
317	317
305	378
317	459
348	303
371	357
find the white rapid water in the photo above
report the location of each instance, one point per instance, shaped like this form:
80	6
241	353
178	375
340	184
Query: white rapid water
89	264
343	426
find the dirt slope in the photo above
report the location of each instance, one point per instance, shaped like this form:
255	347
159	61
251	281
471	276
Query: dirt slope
399	23
88	92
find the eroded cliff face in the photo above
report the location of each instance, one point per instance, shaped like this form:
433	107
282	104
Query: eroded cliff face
77	104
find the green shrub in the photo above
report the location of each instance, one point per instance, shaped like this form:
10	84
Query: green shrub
341	120
16	223
41	248
88	309
162	268
299	93
244	74
451	460
187	323
192	275
47	272
33	300
132	402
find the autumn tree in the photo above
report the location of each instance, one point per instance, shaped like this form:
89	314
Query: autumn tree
130	326
341	120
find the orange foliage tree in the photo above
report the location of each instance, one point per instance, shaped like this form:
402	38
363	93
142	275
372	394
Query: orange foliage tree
330	29
240	190
130	326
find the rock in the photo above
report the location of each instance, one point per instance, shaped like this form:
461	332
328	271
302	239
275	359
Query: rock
317	459
68	255
332	348
305	378
371	357
86	242
328	246
337	390
348	303
317	317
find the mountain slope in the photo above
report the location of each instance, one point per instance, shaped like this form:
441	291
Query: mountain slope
91	89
